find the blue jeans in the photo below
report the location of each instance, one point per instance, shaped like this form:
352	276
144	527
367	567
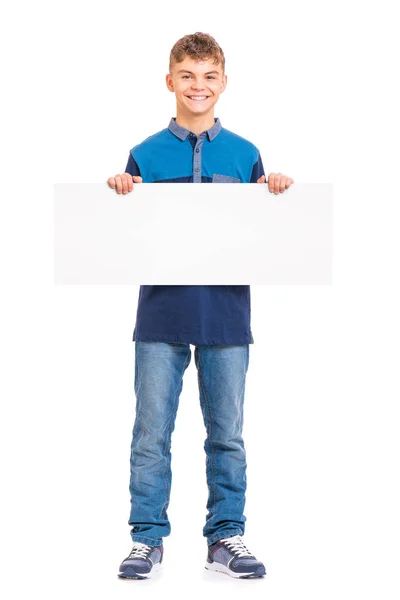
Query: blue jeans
159	369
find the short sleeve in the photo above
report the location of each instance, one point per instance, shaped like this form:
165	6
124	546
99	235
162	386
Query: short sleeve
258	170
132	166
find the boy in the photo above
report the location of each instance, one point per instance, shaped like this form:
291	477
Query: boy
195	148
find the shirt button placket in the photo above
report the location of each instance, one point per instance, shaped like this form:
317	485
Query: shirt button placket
197	160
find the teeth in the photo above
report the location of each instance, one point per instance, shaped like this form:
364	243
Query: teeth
198	97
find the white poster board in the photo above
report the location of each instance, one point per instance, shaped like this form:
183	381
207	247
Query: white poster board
193	234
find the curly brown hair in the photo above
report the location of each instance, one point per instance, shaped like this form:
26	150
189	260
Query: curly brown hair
199	46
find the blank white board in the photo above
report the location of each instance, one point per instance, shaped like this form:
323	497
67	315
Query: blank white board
193	234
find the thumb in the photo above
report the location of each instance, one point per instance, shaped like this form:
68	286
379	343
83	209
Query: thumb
262	179
137	179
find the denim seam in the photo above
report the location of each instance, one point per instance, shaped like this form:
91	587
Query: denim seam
164	511
219	536
210	436
146	540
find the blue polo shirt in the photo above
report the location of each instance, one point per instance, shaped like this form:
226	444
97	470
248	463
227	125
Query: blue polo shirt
195	314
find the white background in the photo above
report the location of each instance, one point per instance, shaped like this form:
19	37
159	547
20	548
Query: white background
313	85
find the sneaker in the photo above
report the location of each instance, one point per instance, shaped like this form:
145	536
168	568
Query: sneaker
142	562
231	556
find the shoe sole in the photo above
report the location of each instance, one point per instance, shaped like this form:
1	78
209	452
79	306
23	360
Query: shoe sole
220	568
130	573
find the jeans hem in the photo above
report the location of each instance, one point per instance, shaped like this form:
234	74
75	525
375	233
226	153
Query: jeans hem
146	540
222	535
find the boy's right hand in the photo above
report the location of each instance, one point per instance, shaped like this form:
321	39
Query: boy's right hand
124	182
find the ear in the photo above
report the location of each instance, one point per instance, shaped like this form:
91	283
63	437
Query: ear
169	82
224	82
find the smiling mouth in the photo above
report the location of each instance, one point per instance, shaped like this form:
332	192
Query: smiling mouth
198	98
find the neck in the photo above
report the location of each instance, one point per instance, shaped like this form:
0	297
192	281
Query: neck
195	123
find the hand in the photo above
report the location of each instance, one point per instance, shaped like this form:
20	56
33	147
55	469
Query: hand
124	182
277	182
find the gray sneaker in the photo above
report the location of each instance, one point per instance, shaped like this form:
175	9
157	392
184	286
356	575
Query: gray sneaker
142	562
230	556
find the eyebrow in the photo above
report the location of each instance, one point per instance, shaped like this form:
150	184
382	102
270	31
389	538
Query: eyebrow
186	71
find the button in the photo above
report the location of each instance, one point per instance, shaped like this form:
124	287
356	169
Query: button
191	135
197	170
197	150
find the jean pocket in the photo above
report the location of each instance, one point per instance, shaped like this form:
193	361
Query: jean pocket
224	179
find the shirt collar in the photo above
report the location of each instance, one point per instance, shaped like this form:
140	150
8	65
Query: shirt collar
182	132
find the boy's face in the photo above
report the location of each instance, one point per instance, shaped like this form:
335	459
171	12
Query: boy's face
196	78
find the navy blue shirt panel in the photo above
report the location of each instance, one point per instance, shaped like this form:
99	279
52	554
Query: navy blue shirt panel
258	170
131	166
195	314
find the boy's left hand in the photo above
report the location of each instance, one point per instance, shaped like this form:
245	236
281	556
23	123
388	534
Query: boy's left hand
277	182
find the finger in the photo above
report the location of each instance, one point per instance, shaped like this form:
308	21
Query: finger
137	179
277	182
118	183
271	180
282	185
111	182
129	179
289	182
124	181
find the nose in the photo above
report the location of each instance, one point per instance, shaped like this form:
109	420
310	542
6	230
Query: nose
197	85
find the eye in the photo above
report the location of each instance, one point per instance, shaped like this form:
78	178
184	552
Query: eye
209	76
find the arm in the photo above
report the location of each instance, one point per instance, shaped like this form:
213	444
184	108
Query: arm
124	182
132	166
277	182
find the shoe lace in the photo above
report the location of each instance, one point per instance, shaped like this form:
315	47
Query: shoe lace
139	550
236	545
